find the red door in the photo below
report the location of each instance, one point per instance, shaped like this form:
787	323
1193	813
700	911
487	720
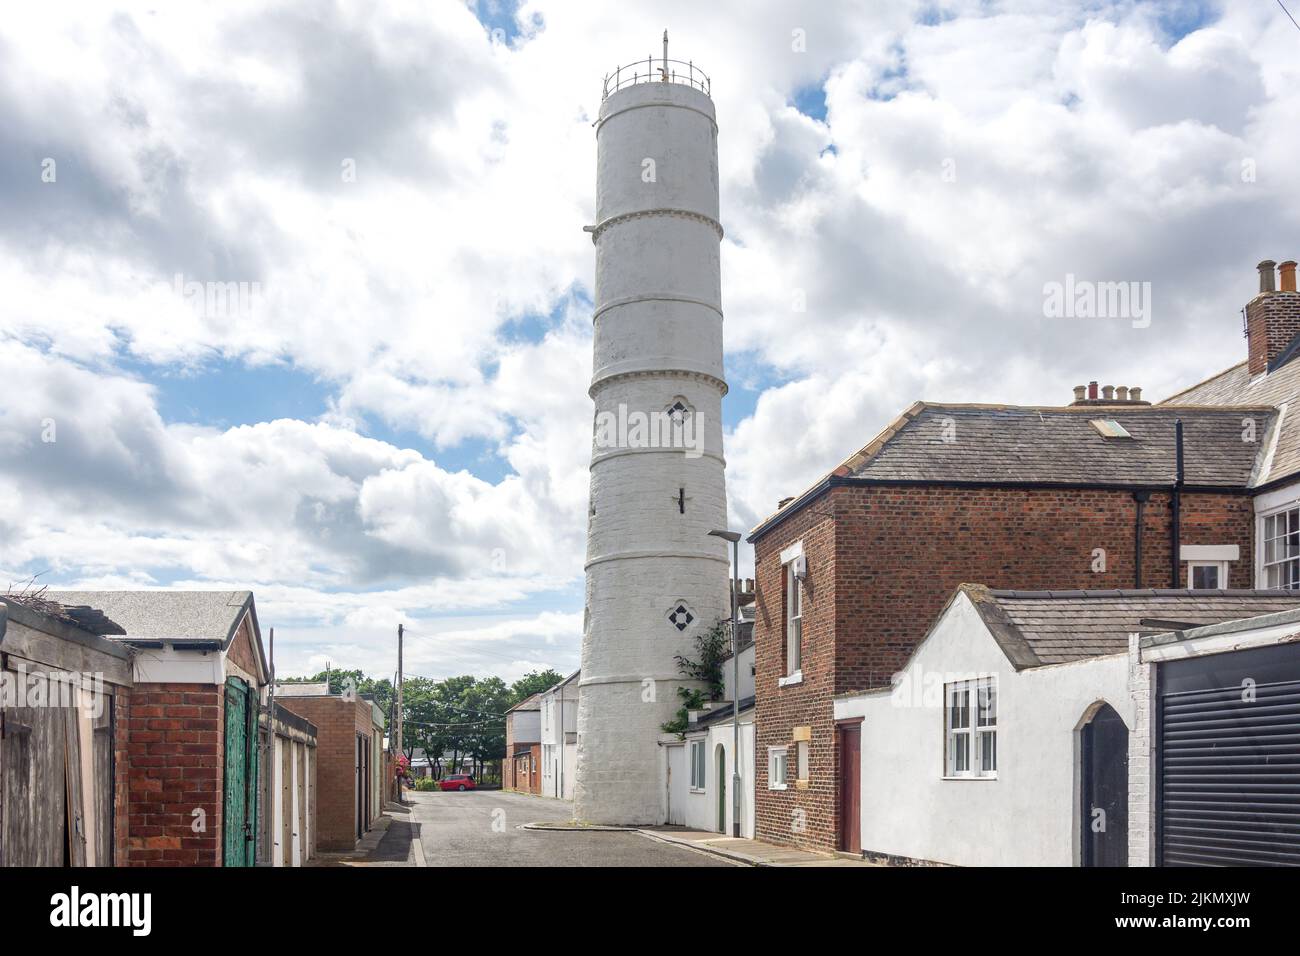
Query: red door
850	787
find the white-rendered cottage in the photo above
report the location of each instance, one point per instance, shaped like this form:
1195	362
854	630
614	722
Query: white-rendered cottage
696	769
1005	739
559	723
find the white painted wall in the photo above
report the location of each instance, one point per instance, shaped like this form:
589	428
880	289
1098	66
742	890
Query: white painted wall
1028	814
746	675
657	335
527	726
702	805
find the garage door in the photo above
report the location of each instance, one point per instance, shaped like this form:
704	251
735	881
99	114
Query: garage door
1229	759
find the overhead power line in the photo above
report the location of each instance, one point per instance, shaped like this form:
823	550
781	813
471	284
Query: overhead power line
1288	14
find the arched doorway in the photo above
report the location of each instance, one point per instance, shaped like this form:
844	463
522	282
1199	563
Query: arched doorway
1103	748
721	753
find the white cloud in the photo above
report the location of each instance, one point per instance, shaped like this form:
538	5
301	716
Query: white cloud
969	155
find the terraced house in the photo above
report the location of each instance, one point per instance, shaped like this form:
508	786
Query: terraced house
1108	492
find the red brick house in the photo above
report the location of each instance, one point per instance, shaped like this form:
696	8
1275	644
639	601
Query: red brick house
188	742
522	767
851	573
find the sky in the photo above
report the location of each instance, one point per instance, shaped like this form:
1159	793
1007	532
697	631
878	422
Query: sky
297	297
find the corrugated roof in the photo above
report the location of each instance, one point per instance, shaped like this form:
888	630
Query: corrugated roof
1054	627
1236	386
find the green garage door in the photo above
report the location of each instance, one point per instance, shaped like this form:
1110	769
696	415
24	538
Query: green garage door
239	814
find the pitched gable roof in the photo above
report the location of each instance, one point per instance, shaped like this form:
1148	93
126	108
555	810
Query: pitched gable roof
174	617
1035	628
531	702
1000	443
1057	446
1236	386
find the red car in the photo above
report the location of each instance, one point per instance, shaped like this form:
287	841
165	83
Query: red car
456	781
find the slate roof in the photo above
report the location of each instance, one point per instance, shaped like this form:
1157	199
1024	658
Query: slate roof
720	714
1019	444
1236	386
531	702
1035	628
1060	445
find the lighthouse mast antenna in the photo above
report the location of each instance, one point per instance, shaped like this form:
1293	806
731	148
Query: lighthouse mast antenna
664	71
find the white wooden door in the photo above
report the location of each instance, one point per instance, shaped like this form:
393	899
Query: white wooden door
677	784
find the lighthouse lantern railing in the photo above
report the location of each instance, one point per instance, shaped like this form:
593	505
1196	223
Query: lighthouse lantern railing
658	70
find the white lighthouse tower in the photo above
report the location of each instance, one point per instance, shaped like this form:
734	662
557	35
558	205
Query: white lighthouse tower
655	577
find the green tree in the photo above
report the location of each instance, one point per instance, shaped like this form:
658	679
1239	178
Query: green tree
711	648
534	682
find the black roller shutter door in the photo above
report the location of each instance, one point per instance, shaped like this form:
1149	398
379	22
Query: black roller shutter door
1229	759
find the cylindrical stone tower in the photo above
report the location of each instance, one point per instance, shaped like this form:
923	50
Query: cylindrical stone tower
655	578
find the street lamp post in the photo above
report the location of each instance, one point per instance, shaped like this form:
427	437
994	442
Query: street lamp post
734	538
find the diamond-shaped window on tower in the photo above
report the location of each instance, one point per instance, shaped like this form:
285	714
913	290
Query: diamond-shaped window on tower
679	409
680	615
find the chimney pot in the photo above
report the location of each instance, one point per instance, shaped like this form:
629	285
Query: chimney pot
1288	275
1092	391
1108	392
1080	391
1266	277
1135	394
1121	393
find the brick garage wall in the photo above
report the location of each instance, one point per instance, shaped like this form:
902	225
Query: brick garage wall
508	764
174	760
338	722
121	777
883	560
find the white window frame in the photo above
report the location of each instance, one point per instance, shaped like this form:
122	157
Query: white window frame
792	562
699	765
1220	566
802	759
969	735
775	755
1262	539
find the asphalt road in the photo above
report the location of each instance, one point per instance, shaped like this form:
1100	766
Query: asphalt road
482	828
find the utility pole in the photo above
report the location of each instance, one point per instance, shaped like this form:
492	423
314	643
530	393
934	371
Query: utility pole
734	538
270	746
401	630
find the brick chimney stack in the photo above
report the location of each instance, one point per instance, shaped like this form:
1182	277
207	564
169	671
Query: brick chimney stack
1272	316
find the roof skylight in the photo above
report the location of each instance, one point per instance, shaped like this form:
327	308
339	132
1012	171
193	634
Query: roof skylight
1109	428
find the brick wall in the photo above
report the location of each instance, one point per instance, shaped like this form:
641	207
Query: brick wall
338	721
1141	761
1272	321
525	769
508	764
121	777
882	561
173	756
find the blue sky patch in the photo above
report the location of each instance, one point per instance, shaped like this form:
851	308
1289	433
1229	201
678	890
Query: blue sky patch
811	102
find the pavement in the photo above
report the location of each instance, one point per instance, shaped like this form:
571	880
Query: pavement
501	828
392	841
747	852
486	828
